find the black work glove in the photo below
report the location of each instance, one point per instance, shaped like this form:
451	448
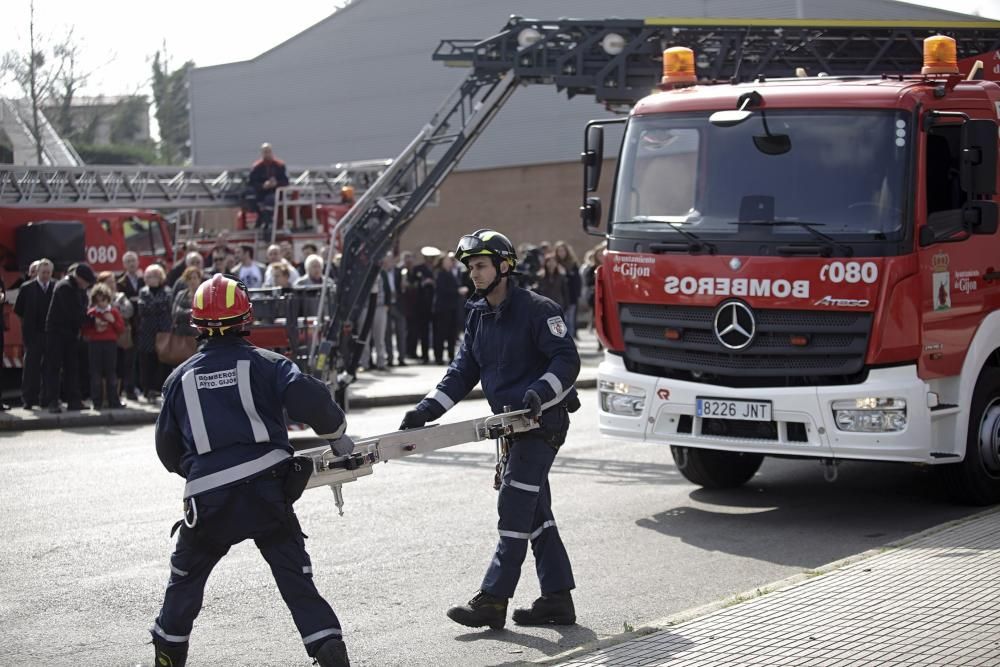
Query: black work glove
342	446
533	403
414	419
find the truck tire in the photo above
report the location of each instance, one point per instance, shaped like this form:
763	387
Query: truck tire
976	480
714	469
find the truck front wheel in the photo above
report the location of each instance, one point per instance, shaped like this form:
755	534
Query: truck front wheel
714	469
976	480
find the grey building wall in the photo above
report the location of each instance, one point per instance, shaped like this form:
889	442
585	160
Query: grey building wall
361	83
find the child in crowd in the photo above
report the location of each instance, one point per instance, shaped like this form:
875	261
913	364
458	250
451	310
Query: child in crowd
101	330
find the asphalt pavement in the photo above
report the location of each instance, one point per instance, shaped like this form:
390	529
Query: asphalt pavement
86	514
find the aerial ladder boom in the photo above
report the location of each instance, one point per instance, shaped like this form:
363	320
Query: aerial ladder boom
387	207
617	61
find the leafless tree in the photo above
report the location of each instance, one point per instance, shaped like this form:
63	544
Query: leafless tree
40	70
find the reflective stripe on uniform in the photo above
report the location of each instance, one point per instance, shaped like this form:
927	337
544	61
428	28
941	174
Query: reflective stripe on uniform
516	535
178	571
558	399
524	487
336	434
553	382
329	632
307	569
235	474
442	398
538	531
246	397
177	639
195	416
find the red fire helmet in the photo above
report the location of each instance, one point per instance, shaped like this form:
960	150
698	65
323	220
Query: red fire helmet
220	304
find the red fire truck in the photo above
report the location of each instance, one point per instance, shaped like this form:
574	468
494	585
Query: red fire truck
806	267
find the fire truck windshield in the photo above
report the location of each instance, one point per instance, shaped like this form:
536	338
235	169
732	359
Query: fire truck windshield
841	173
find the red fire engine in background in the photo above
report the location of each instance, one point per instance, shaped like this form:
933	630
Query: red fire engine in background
68	235
806	267
102	236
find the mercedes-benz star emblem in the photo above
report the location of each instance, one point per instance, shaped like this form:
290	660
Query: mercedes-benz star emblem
734	325
735	264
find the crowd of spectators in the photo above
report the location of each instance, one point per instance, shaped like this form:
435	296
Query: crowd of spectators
96	336
421	298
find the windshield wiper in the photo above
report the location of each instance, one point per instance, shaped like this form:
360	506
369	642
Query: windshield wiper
694	242
828	241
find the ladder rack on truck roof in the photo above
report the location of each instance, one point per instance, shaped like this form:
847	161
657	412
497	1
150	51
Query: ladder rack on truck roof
99	186
619	61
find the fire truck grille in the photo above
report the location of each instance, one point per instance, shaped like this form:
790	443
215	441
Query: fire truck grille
790	347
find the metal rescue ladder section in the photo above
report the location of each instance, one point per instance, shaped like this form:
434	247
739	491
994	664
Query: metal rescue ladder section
167	187
618	61
334	471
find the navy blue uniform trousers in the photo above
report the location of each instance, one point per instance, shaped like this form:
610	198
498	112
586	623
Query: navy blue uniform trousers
257	510
524	506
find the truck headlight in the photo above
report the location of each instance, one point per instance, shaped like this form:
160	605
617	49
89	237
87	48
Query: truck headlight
870	414
621	399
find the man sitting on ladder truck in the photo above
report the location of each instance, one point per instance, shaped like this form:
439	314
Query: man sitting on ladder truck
266	176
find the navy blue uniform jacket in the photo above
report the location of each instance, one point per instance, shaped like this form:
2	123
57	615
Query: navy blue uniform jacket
522	344
223	414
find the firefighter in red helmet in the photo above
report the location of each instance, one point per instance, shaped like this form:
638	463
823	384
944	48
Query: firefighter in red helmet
222	428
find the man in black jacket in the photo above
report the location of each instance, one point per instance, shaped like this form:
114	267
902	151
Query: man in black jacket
267	175
62	334
32	306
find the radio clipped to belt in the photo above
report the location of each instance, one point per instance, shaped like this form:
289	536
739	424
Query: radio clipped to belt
503	453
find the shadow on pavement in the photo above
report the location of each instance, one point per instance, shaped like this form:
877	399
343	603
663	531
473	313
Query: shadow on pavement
788	515
670	645
613	472
570	636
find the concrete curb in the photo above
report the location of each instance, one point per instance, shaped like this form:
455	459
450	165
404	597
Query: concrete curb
694	613
119	417
145	415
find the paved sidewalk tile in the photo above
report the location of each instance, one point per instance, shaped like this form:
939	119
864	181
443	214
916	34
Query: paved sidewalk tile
933	602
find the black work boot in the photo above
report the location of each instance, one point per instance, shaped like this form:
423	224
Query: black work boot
333	653
550	609
483	609
167	655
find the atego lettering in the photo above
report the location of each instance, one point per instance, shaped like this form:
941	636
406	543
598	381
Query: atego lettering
752	287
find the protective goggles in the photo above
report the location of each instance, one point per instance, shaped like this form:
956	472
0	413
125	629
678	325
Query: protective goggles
470	245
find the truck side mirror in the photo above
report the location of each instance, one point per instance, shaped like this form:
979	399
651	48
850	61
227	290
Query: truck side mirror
978	157
590	215
593	157
981	216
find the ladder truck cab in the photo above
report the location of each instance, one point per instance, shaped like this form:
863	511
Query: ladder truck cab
806	267
97	236
66	235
